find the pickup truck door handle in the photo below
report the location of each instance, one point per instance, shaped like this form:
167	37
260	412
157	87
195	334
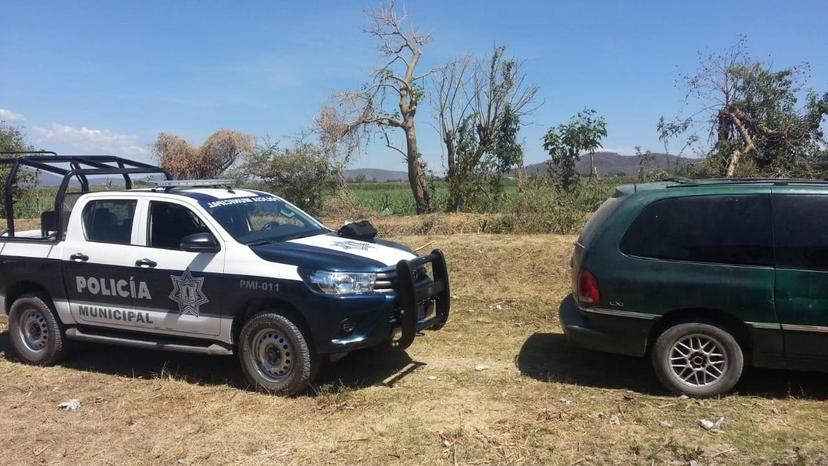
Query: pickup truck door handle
79	257
146	263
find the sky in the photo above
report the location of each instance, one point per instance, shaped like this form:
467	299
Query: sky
107	77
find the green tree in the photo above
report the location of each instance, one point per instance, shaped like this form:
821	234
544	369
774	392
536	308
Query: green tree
303	173
645	160
13	139
566	143
754	116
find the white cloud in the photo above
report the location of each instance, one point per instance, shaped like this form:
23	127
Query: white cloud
88	140
621	151
8	115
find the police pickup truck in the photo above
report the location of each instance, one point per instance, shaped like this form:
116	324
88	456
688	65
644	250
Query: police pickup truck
201	267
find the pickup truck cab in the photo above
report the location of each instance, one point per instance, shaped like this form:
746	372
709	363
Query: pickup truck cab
203	267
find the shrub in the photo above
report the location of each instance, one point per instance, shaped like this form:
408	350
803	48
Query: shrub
302	174
12	139
538	207
218	153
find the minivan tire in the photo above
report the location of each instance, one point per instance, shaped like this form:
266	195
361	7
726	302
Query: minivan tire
36	334
697	359
275	355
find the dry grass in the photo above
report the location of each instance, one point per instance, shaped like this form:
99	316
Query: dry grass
433	224
24	224
541	401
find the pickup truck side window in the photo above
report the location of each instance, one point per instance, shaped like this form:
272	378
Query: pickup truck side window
109	221
170	223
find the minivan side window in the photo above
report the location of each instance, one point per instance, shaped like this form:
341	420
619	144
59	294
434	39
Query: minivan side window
109	221
719	229
800	229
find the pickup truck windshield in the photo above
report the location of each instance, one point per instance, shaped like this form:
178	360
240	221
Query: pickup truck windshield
262	219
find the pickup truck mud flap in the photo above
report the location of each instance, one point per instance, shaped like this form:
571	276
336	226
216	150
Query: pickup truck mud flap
412	295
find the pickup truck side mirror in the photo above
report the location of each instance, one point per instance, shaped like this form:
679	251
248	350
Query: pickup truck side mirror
200	242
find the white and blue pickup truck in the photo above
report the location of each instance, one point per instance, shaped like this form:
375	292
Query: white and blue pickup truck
198	266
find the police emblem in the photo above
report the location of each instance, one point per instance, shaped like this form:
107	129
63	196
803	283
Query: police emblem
347	245
187	293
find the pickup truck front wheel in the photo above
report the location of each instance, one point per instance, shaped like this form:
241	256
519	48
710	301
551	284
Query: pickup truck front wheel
275	355
36	334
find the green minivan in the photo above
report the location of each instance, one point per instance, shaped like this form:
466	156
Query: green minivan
705	276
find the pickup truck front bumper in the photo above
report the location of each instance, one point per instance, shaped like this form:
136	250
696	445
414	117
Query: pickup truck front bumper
415	297
416	303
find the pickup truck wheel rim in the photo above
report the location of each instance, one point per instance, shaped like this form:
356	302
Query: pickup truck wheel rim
34	330
273	353
698	360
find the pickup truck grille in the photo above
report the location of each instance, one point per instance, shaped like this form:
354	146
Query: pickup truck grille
387	280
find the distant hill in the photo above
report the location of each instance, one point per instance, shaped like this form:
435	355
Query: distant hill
607	163
374	174
51	180
612	163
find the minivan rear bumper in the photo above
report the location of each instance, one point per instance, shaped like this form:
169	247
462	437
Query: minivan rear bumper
611	333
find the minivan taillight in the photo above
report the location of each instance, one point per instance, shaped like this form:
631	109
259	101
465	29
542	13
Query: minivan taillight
588	292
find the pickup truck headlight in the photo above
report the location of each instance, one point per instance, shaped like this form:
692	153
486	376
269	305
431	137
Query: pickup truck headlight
343	283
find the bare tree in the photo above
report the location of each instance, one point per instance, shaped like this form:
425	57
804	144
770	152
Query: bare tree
500	85
454	87
715	85
218	153
670	130
352	116
479	106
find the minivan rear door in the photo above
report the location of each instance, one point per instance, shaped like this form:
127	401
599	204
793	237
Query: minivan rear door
801	253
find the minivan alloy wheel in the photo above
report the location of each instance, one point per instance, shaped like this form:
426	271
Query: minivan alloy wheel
698	360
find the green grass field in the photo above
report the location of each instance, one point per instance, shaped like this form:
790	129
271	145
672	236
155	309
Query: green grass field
394	198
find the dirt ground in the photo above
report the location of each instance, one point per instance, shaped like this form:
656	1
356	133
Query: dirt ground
541	400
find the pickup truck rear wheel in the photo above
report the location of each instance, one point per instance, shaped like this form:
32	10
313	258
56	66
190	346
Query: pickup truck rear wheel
36	335
275	355
698	359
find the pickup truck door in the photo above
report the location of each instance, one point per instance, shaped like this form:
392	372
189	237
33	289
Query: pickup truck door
98	264
801	250
186	287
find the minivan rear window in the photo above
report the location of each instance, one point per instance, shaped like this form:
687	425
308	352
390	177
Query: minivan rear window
597	219
719	229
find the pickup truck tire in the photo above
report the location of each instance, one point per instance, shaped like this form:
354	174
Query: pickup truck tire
275	355
36	334
698	359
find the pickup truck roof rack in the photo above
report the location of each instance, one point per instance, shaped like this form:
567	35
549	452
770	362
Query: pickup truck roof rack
167	185
80	167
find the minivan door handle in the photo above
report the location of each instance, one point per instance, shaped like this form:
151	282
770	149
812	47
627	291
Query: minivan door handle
79	257
146	263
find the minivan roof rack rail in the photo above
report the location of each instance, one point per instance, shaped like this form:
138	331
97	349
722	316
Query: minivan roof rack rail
80	167
724	181
680	180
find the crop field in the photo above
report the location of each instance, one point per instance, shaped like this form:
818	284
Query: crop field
498	385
